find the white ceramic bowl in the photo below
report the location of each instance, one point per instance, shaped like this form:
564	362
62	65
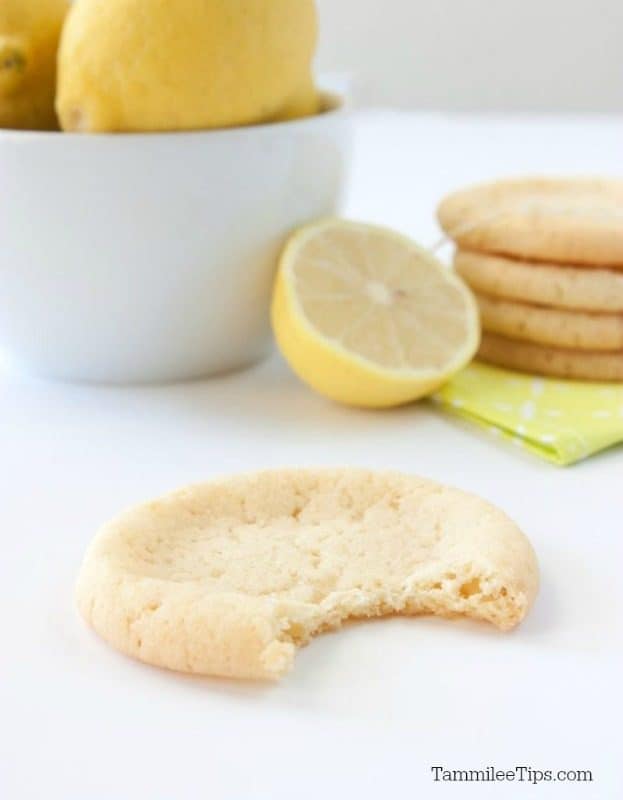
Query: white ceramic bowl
150	257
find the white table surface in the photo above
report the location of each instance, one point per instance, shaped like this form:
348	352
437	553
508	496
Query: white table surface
366	711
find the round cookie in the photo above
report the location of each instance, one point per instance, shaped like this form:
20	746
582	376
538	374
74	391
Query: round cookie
572	221
553	361
585	289
580	330
229	577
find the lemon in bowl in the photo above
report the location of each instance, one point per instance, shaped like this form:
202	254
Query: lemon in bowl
148	65
29	34
194	141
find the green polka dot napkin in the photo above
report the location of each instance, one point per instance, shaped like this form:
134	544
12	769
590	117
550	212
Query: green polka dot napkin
562	421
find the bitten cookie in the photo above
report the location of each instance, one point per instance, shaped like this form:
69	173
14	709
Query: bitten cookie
231	576
580	288
553	361
573	221
578	330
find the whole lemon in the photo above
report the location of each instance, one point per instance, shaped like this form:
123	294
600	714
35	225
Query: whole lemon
29	34
156	65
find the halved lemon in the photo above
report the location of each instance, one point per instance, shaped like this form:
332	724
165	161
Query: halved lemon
368	318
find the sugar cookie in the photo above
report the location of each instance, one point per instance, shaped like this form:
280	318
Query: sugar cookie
578	330
553	361
229	577
557	285
574	221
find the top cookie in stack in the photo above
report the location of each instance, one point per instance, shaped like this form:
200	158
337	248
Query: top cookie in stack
545	260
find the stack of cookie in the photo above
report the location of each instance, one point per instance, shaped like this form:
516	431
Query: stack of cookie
545	260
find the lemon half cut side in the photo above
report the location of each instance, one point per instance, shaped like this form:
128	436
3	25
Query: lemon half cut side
367	317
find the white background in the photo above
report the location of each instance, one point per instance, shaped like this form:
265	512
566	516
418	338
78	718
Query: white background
368	710
554	55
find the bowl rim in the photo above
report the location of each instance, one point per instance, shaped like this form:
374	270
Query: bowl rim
338	105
